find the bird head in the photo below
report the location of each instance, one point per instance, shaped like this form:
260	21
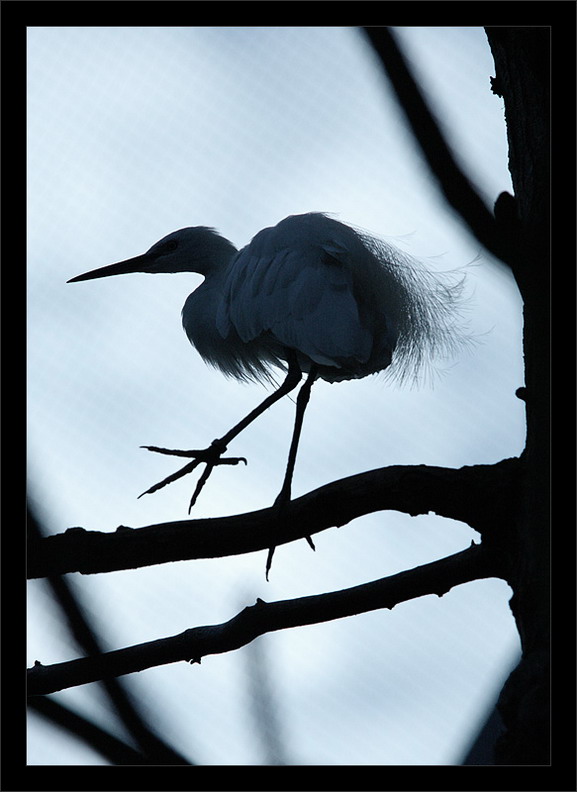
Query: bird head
196	249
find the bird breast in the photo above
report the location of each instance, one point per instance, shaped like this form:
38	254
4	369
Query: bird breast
242	360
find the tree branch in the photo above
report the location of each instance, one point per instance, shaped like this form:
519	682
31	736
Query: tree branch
456	187
438	577
481	496
153	748
107	745
522	67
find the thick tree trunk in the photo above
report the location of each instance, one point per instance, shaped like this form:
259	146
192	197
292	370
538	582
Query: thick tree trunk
522	78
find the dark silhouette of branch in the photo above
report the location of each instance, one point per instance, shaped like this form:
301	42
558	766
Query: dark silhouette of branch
459	494
522	67
456	187
520	235
113	749
152	746
438	577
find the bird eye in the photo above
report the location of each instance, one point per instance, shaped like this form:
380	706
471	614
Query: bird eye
172	245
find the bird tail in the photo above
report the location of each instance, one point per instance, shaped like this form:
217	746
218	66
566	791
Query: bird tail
428	311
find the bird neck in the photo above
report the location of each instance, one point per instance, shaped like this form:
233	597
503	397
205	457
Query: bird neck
213	260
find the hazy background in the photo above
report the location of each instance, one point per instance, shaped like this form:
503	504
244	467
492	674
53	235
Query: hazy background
135	132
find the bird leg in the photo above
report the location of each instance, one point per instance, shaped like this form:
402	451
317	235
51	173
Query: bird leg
212	456
284	495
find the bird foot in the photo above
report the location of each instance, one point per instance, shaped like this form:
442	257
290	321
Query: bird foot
279	507
211	457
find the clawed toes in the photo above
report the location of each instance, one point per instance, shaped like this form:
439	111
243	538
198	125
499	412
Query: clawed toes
210	456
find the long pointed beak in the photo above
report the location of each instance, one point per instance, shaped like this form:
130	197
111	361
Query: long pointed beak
143	263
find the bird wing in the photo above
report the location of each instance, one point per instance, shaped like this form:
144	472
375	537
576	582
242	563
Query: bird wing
302	294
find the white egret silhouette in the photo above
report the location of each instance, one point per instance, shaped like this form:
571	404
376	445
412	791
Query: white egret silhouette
309	295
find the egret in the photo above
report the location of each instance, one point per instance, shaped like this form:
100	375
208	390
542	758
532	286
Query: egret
311	296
